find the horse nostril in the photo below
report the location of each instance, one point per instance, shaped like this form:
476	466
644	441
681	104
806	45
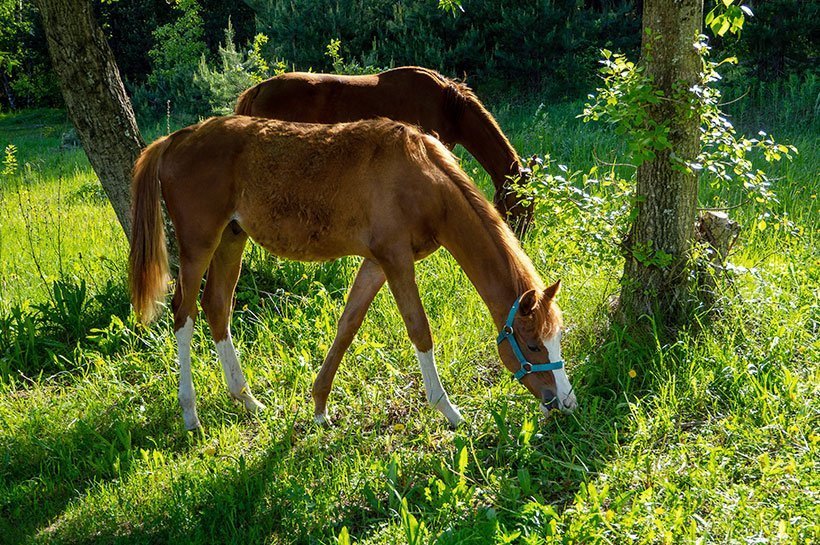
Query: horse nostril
549	400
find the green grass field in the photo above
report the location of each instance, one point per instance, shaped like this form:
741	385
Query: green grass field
712	439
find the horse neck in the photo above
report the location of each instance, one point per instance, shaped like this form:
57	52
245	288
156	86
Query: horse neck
482	137
482	257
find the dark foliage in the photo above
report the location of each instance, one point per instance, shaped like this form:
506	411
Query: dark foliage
498	44
129	25
780	40
550	46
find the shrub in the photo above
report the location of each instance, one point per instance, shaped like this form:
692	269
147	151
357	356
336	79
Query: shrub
190	83
175	56
234	71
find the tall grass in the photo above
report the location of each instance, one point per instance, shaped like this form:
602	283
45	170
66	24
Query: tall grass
712	439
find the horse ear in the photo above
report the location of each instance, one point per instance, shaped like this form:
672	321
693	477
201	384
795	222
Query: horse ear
552	291
528	303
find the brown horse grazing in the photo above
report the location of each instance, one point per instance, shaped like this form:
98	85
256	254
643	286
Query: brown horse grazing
440	106
376	188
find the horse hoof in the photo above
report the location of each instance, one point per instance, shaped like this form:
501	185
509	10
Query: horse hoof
247	399
192	424
322	419
456	422
253	405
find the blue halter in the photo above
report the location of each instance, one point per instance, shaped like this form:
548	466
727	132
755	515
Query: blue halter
526	367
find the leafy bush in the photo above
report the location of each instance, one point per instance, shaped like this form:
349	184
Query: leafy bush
25	71
175	56
341	66
190	82
234	72
724	160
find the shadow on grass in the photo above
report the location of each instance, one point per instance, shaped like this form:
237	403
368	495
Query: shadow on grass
44	469
245	502
300	488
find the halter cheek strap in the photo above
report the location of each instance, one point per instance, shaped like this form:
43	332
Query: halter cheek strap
508	335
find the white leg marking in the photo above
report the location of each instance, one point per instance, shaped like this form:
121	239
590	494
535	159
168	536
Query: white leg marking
187	395
566	397
436	396
234	376
322	419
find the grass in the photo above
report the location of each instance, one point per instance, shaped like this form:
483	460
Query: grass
712	439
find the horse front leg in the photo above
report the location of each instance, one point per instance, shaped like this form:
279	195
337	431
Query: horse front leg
402	281
369	280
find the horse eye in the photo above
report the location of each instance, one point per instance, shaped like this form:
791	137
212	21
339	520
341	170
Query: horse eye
534	348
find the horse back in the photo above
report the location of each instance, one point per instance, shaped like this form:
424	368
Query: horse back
412	95
303	191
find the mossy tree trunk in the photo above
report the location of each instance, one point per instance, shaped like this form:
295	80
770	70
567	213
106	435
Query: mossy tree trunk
666	193
95	97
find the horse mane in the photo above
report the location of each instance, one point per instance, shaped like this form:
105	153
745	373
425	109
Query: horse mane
459	98
522	271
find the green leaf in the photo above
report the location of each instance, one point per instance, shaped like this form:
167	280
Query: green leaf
344	537
724	27
450	5
413	531
462	460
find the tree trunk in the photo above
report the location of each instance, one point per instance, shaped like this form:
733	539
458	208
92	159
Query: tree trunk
95	97
666	192
8	91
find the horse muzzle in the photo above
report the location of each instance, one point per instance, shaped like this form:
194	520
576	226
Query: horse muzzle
551	402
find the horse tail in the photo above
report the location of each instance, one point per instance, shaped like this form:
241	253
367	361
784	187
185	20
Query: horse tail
244	104
148	260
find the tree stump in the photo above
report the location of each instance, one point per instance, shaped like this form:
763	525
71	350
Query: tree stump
716	234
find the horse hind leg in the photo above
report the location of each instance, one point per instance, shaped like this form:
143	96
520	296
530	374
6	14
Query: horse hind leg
367	284
217	302
191	269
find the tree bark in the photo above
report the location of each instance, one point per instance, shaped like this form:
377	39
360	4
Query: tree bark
8	91
666	193
95	97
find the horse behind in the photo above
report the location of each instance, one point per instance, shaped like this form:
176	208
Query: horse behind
440	106
378	189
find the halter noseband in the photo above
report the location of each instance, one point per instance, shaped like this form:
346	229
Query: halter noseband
526	367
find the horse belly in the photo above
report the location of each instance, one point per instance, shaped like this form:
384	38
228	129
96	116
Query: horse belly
295	238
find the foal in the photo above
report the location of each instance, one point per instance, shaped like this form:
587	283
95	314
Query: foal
419	96
378	189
